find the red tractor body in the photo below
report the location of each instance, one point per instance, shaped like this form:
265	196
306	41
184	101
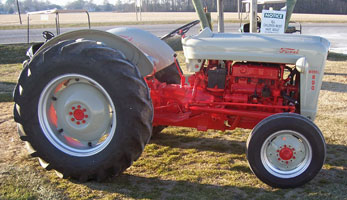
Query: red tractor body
237	95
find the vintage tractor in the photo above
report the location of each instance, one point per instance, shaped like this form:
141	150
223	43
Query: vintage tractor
88	101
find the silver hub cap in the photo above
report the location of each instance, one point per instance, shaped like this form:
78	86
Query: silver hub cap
77	115
286	154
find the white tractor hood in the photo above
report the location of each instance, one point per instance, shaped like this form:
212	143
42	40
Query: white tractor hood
271	48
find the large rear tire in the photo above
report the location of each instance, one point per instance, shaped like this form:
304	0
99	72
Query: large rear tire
286	150
83	110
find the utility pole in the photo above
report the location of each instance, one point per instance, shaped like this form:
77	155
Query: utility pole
238	9
138	9
200	11
20	18
220	10
290	8
254	14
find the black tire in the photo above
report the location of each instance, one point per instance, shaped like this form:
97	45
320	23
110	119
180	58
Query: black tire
115	78
300	152
169	75
246	27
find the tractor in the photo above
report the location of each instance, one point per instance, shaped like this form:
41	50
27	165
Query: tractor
87	102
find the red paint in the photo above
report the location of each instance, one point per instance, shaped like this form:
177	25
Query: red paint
253	91
286	153
53	116
313	82
289	51
313	72
78	114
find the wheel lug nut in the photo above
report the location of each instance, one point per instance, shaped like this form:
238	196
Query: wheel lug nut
78	106
86	116
83	122
70	113
72	119
73	108
78	123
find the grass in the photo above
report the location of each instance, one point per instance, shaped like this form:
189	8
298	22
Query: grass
179	163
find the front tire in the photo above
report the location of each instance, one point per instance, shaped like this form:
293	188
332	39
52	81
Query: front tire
83	110
286	150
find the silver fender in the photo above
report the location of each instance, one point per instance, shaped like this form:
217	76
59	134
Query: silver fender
161	53
131	52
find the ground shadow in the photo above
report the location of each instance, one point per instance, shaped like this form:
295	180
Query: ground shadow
201	144
334	74
138	187
13	53
334	87
6	89
337	56
336	155
7	86
156	188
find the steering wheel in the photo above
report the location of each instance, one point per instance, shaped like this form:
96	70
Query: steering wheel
181	30
47	35
258	19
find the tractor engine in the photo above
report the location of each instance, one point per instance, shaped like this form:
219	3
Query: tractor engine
251	83
226	94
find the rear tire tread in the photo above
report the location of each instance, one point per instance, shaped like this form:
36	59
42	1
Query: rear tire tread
45	63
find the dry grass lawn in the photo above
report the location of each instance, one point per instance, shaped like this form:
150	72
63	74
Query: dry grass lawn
180	163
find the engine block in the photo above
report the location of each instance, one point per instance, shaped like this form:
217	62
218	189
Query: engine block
226	94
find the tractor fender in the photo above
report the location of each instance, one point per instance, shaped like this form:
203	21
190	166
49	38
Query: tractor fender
160	52
131	52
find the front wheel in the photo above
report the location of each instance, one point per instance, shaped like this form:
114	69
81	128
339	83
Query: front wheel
286	150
